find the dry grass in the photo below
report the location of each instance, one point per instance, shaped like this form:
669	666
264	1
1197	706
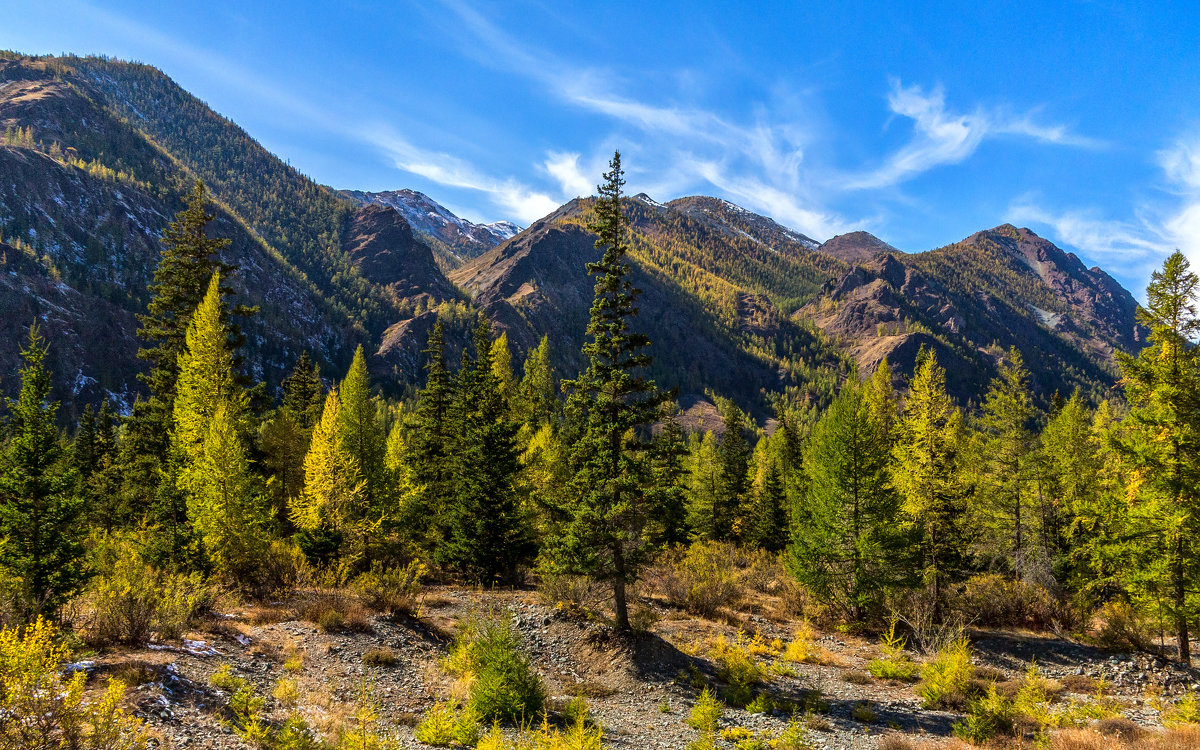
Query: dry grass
337	615
1080	684
379	657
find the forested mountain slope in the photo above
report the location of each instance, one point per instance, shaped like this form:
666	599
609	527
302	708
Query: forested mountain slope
98	155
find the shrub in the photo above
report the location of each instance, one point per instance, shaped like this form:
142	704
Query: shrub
701	579
893	663
737	667
998	601
988	716
707	712
793	737
392	591
863	712
762	704
445	724
129	600
804	647
1184	711
337	614
379	657
286	692
1123	628
504	684
362	731
579	735
946	680
40	708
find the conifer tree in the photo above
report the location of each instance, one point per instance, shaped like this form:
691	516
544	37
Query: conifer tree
362	433
94	455
39	508
703	489
501	356
609	403
927	473
487	534
670	526
303	394
1162	385
845	547
538	392
427	451
768	527
189	259
285	436
225	501
332	500
733	455
1004	461
206	380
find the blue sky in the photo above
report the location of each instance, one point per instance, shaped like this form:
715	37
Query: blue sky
921	122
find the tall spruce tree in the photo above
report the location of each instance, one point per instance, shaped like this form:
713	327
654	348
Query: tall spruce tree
1162	385
39	506
926	471
427	452
703	489
610	405
303	394
487	535
845	545
537	394
224	503
733	489
1004	460
189	259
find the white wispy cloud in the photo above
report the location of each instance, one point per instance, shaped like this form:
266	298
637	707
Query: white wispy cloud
1135	247
520	201
572	181
943	137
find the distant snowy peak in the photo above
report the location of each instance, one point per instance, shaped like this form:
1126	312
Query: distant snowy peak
463	239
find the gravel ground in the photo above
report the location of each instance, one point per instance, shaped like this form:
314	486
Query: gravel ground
636	687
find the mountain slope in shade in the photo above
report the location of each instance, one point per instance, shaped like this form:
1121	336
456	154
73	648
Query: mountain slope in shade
456	239
856	247
972	300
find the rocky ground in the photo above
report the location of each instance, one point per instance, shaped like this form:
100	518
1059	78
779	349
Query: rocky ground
640	689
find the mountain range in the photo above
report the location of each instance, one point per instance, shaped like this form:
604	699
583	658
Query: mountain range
99	153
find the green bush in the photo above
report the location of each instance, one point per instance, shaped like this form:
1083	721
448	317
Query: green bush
445	724
946	682
998	601
1123	628
129	601
706	713
42	708
393	591
701	579
505	686
987	716
894	663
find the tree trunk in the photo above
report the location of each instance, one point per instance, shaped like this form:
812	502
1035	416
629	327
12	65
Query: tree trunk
620	606
1181	620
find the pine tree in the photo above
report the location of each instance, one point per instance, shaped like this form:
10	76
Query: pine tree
1004	449
501	356
927	473
285	436
225	502
703	489
670	526
189	259
487	534
733	488
609	402
206	380
94	457
330	505
39	508
768	527
1162	385
845	547
537	398
427	451
362	434
303	394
